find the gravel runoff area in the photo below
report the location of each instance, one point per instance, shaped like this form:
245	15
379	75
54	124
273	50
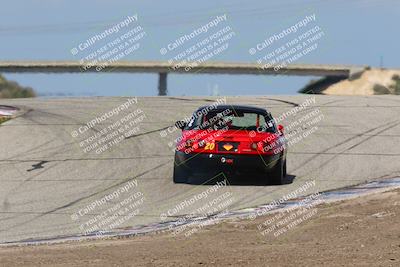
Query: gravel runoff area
358	232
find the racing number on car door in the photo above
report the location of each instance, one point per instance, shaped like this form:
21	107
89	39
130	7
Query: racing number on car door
209	146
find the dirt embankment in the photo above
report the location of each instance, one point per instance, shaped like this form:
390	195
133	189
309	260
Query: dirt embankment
370	82
360	232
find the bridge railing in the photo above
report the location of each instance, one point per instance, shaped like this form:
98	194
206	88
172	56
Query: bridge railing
163	68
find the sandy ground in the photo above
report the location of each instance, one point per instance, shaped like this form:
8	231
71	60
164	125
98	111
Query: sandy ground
359	232
364	84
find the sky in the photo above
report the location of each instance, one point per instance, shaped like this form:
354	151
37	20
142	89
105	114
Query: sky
355	32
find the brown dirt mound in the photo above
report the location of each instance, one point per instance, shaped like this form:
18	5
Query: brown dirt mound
371	82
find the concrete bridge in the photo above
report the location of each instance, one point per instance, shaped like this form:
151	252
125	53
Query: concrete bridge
163	68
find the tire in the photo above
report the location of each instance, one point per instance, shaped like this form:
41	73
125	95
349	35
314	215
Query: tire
284	169
180	175
277	175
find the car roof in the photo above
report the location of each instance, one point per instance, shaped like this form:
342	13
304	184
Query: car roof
236	107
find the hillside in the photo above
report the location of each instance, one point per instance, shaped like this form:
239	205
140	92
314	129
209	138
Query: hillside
370	82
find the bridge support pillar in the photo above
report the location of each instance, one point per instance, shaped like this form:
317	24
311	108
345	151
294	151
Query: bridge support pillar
162	83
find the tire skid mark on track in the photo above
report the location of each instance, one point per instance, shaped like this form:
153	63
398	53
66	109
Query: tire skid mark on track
146	133
36	149
347	149
357	144
71	203
344	154
191	99
241	214
60	150
80	180
38	165
84	159
73	124
28	116
284	101
244	199
58	116
347	140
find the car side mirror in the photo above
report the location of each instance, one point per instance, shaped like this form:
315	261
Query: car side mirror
180	124
280	128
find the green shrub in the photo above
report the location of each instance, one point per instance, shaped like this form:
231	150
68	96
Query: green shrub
396	85
3	119
10	89
381	90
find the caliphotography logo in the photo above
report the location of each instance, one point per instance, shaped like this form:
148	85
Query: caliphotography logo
187	133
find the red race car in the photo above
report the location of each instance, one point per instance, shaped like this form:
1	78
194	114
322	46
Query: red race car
230	139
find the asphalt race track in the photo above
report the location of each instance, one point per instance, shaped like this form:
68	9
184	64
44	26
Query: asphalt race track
46	177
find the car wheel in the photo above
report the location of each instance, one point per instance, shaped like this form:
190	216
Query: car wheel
180	175
284	169
276	176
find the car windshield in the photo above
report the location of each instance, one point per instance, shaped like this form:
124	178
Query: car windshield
232	119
